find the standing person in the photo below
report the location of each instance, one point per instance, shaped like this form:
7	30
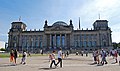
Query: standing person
67	53
94	56
60	55
15	55
115	56
41	51
82	53
12	56
52	57
86	52
24	56
97	57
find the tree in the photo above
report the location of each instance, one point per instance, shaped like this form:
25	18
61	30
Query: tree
118	45
2	49
115	45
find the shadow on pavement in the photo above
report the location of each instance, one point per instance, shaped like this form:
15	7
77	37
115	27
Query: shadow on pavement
8	65
92	63
46	68
95	64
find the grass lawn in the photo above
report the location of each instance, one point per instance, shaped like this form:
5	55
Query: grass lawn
6	55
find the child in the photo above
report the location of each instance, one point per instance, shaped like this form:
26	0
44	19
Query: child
24	56
52	57
49	57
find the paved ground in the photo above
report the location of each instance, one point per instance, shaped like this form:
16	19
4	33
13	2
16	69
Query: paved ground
72	63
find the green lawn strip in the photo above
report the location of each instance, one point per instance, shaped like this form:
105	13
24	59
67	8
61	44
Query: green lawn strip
6	55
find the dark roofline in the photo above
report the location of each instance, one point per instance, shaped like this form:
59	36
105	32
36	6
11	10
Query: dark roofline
18	22
84	30
101	21
60	23
32	31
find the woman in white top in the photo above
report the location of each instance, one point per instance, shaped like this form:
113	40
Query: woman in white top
52	57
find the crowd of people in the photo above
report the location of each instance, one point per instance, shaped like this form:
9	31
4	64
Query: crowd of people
100	56
14	55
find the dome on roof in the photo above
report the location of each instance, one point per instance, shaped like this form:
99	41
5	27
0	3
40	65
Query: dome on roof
60	23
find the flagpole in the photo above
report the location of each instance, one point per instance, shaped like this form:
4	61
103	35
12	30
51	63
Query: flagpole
79	23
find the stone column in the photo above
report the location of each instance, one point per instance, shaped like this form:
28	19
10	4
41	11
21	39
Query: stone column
65	40
55	40
50	40
60	40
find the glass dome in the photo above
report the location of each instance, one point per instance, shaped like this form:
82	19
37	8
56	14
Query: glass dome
60	23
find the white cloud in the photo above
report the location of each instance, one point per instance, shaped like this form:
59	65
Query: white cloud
108	9
115	36
2	44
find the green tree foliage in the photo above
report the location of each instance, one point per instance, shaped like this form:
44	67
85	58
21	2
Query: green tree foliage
2	49
118	45
115	45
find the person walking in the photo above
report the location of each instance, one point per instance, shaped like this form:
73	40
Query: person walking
97	57
60	55
103	56
52	57
15	55
24	56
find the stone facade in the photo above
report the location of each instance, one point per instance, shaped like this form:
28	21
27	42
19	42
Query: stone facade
60	34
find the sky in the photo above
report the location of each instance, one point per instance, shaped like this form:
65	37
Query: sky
2	44
34	13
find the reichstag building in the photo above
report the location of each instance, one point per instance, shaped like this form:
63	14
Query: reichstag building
60	34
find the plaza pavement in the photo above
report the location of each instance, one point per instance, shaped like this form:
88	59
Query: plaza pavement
71	63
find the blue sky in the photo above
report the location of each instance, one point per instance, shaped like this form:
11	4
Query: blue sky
34	12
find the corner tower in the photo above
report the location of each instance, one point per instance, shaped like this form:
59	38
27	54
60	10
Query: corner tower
14	34
100	25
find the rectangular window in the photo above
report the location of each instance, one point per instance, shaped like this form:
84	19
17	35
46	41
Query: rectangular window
85	43
89	43
85	37
94	43
81	43
58	41
75	37
76	43
63	41
89	37
40	43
